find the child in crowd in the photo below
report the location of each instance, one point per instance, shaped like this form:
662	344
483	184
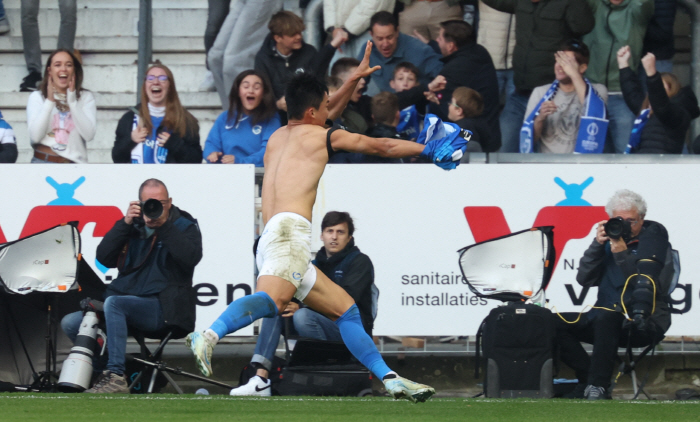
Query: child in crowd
61	115
240	134
357	116
466	110
159	130
405	79
8	143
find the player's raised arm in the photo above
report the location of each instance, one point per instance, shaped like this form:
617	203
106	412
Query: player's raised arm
340	98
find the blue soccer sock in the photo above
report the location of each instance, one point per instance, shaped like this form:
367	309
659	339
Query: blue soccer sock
360	344
243	311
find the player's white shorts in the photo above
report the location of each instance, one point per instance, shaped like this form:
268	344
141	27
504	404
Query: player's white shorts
284	251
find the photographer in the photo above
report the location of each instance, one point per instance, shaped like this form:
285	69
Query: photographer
629	256
155	248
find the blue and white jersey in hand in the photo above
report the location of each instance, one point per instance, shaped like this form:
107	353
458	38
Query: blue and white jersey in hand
241	139
445	143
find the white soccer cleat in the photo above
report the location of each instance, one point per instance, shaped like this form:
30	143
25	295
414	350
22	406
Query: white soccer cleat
202	348
402	388
255	387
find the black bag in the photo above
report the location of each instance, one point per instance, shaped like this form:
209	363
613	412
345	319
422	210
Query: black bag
518	342
323	368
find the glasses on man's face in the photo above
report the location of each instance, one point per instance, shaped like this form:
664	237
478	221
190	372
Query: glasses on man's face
632	221
162	78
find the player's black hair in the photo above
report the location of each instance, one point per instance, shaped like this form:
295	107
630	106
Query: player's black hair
303	91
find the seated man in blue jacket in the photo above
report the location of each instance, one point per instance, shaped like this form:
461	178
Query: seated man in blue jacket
156	259
342	262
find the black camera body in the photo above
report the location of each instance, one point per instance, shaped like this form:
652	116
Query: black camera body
618	227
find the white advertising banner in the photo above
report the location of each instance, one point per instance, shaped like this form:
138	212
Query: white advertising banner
36	197
411	220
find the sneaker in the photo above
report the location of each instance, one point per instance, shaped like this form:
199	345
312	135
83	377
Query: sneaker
202	349
256	386
595	393
4	25
30	82
109	383
401	388
207	84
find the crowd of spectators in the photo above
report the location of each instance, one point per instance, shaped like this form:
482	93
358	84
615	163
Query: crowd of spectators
521	75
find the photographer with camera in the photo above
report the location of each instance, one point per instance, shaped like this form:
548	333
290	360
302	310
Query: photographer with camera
631	263
155	248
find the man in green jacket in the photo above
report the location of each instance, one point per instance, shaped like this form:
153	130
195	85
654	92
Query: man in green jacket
617	23
542	26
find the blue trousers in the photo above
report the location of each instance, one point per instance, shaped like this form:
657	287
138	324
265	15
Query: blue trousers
142	313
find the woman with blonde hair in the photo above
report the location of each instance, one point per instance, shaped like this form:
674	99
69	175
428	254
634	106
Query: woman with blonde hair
663	115
61	114
159	130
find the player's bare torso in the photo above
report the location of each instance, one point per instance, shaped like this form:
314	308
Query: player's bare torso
295	158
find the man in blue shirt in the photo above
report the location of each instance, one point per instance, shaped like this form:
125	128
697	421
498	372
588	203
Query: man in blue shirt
391	48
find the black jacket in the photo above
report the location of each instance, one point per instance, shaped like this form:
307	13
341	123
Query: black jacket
279	69
471	66
185	149
540	29
609	271
480	131
357	279
162	264
659	37
664	132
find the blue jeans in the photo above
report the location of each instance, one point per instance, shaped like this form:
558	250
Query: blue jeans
306	323
142	313
511	121
621	122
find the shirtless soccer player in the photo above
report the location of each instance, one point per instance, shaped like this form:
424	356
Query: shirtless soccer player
294	162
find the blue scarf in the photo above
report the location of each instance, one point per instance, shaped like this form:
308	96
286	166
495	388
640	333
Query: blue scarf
592	128
409	125
636	134
149	152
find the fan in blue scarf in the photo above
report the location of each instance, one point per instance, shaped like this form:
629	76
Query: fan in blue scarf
592	128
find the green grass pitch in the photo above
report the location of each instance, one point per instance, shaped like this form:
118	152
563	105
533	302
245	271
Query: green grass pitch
26	407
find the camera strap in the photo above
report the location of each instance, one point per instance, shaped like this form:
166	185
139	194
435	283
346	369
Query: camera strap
122	257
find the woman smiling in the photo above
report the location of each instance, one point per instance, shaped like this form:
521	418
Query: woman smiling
159	130
240	135
61	115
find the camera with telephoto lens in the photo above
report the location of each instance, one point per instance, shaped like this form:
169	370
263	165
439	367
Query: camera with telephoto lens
77	368
642	302
152	208
618	227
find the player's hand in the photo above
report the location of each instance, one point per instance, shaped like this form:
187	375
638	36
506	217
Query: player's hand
649	63
139	134
134	211
214	156
363	70
437	84
547	108
163	138
290	309
600	235
228	159
623	57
